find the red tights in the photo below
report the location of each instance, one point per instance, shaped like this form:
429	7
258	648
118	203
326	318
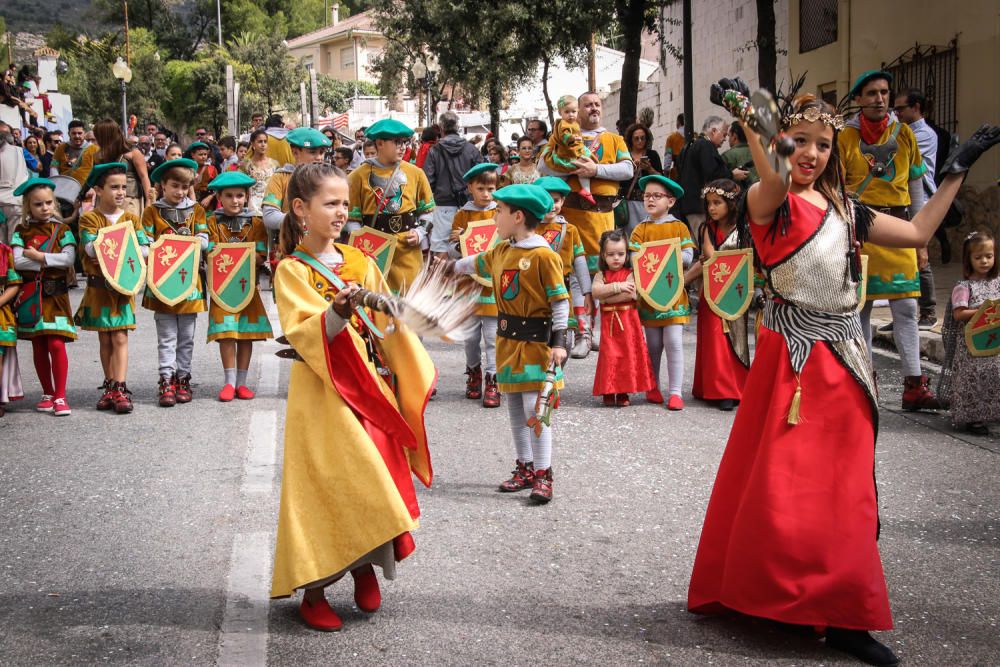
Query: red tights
51	364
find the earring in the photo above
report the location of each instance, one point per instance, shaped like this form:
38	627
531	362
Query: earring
305	229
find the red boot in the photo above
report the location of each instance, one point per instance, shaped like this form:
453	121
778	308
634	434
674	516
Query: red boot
168	395
122	399
319	616
474	385
491	395
541	490
183	388
106	401
917	395
367	595
522	478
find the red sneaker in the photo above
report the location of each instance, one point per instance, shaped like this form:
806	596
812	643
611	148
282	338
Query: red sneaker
366	593
244	393
522	477
168	395
474	385
45	405
106	401
654	397
60	408
918	396
622	400
227	393
319	616
541	490
675	402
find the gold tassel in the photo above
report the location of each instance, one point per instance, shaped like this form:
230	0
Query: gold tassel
725	326
793	411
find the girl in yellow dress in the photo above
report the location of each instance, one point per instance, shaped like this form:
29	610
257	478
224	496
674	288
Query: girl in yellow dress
356	397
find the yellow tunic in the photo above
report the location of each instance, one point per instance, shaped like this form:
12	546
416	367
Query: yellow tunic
415	197
591	224
80	169
572	245
251	323
659	231
892	272
279	150
154	226
526	281
338	500
103	309
8	278
487	299
277	186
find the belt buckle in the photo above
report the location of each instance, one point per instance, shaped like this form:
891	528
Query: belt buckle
396	223
503	324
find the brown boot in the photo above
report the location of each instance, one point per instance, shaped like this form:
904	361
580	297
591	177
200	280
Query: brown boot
541	490
474	384
491	394
522	478
917	395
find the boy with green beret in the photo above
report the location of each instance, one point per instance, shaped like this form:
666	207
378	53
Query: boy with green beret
533	306
308	145
236	331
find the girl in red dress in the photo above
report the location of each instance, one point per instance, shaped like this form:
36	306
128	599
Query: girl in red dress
791	528
623	366
722	357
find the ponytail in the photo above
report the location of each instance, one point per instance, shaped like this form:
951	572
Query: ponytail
304	183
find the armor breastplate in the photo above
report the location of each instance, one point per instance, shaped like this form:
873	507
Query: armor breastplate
234	225
177	218
879	156
389	189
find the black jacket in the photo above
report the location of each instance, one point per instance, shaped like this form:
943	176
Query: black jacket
700	164
447	161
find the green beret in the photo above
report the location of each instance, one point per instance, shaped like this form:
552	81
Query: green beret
31	184
171	164
388	128
479	169
531	198
553	184
307	137
865	77
99	169
195	145
231	179
670	185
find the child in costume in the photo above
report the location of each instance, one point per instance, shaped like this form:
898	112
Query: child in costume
175	213
791	528
236	332
623	365
361	386
10	285
533	307
564	238
44	248
971	382
663	329
566	144
103	309
482	181
722	358
202	154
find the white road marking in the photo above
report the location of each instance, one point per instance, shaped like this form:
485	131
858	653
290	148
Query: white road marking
258	471
243	639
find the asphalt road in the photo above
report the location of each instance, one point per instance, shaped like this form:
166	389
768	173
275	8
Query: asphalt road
146	539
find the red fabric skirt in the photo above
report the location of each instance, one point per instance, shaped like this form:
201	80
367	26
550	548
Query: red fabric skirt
718	372
790	531
623	365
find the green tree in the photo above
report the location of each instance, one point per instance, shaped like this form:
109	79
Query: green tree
196	91
180	27
268	74
334	94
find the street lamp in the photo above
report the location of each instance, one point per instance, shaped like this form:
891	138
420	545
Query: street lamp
123	73
424	74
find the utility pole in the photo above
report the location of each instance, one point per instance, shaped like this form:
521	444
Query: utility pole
592	64
688	76
218	19
128	49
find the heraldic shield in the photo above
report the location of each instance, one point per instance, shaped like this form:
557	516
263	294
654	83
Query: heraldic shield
479	236
659	273
172	268
380	246
727	280
232	275
982	332
120	257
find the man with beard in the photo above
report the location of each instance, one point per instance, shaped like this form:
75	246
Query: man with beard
75	157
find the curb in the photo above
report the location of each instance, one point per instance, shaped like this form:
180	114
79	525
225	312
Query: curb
931	343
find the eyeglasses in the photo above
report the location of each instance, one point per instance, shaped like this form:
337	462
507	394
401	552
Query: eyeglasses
401	142
655	196
901	107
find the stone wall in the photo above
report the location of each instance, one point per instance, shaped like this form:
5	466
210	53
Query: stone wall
982	211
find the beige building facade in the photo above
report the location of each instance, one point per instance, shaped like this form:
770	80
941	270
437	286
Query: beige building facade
342	50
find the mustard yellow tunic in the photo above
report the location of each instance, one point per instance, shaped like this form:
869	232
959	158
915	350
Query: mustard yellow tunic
277	186
251	323
103	309
279	150
487	299
659	231
609	149
415	197
892	272
338	501
80	169
154	225
57	312
572	244
526	282
9	277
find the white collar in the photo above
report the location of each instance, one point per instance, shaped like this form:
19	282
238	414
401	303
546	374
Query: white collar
533	241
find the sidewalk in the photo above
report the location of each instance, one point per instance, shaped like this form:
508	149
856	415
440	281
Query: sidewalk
931	345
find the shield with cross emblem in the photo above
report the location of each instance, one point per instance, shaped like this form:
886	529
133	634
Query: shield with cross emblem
479	236
727	282
381	247
659	273
232	275
120	258
982	332
172	267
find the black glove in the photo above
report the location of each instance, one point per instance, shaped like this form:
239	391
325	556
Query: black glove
961	159
733	95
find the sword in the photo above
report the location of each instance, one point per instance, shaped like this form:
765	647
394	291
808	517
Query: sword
546	403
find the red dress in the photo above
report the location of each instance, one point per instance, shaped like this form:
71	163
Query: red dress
623	365
791	528
719	372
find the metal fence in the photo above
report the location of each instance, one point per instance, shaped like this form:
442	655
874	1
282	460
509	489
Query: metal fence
817	24
933	70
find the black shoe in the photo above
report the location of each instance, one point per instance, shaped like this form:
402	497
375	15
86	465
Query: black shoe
727	404
862	646
978	428
926	322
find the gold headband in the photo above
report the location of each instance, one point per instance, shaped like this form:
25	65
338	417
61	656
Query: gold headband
731	196
813	114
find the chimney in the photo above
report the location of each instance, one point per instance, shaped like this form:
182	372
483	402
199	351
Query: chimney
335	14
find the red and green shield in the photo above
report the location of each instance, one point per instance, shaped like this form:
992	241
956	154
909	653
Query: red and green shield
479	236
120	258
510	284
172	267
727	278
659	273
380	246
232	275
982	332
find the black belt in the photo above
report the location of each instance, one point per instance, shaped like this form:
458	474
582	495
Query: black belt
54	287
391	224
99	281
897	211
605	203
530	329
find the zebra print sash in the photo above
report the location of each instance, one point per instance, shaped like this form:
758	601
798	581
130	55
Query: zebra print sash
801	328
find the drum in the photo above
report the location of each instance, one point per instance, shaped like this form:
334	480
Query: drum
67	189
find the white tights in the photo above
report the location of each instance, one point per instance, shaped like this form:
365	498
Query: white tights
520	408
667	339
